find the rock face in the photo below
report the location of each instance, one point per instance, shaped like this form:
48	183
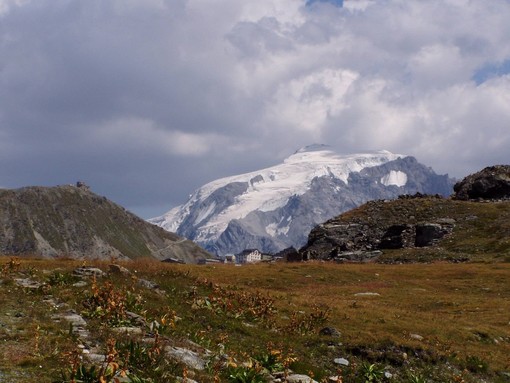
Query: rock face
361	234
275	208
72	221
490	183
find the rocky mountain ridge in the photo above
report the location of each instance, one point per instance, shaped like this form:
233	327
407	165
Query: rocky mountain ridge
73	221
475	217
274	208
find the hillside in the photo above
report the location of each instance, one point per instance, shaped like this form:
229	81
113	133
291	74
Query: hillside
73	221
410	229
274	208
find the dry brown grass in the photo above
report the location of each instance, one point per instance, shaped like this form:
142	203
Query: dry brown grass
459	309
462	311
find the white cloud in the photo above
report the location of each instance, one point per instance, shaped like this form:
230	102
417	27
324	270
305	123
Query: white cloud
229	86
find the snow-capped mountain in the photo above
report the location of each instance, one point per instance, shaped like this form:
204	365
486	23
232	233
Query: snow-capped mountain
274	208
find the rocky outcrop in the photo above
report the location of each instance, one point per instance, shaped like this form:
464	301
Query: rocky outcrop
72	221
488	184
382	225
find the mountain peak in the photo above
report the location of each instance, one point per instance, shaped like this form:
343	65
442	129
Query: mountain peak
313	148
73	221
275	208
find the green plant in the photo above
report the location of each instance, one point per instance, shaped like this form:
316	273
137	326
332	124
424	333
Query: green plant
107	372
60	279
106	303
243	374
476	364
413	378
271	360
371	373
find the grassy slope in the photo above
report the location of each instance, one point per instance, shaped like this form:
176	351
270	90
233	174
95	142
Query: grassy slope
461	310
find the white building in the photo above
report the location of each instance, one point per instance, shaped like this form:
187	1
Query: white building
249	256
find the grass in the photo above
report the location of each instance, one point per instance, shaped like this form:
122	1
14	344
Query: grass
443	322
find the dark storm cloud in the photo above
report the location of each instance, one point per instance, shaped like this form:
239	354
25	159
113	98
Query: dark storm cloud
147	100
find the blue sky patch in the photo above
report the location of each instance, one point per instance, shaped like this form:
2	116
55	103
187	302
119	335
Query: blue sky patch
491	70
338	3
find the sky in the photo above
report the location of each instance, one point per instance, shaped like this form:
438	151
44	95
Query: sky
147	100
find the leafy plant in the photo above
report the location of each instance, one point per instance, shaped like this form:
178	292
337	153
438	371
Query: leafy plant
106	303
271	360
243	374
476	364
413	378
371	373
107	372
61	279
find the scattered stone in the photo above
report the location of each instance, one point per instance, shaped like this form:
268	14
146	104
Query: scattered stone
88	271
388	375
95	358
76	321
330	331
341	362
80	284
190	358
128	330
416	337
135	318
298	378
117	269
367	294
185	380
148	284
74	318
28	283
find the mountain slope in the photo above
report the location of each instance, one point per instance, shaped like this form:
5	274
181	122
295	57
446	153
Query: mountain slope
275	208
73	221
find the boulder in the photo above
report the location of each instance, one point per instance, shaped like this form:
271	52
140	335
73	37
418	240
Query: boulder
488	184
428	234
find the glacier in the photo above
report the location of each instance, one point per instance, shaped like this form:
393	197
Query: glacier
276	207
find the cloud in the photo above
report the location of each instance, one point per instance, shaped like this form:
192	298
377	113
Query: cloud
147	100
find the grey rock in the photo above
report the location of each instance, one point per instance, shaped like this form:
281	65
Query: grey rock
128	330
428	234
28	283
185	380
135	318
342	362
117	269
490	183
75	319
88	271
416	337
298	378
367	294
330	331
147	284
183	355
